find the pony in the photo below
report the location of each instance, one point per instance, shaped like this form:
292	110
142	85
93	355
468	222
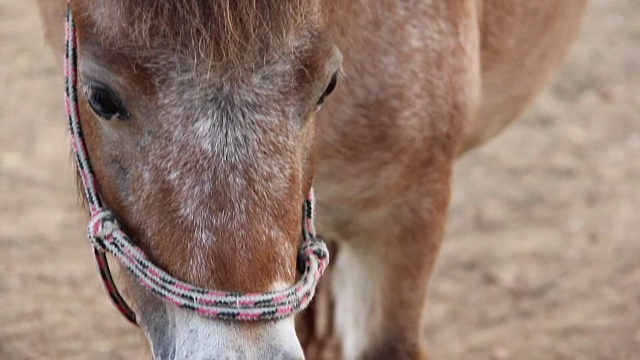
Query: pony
208	121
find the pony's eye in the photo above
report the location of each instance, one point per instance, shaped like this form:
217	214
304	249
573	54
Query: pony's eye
329	89
104	102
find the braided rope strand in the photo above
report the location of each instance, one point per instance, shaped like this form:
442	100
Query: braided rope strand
82	160
106	235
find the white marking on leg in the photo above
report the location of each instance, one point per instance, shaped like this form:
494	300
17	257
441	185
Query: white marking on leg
355	283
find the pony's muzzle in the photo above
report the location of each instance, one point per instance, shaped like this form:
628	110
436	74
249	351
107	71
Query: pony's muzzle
180	334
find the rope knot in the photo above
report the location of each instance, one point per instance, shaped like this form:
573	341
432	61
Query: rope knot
102	225
317	248
314	249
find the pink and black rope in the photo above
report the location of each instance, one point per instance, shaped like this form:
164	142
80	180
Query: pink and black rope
106	236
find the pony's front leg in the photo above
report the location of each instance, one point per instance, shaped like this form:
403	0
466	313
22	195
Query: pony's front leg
380	274
380	280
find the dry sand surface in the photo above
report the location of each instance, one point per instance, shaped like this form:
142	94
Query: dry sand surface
542	259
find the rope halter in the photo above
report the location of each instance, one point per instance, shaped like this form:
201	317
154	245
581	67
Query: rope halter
106	236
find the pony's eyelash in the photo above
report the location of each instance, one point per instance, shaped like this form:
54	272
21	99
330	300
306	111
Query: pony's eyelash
87	90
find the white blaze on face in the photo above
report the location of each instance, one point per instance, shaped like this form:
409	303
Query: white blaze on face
199	338
179	334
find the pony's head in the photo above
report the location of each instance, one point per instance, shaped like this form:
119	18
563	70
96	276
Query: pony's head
199	121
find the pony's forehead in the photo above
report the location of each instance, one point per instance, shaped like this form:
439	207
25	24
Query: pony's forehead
221	30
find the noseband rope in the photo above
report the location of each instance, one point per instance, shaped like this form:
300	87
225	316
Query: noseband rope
106	235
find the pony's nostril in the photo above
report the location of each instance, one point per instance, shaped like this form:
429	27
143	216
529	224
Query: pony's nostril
284	353
295	356
271	356
286	356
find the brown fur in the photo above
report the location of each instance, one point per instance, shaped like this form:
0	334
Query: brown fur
425	81
224	31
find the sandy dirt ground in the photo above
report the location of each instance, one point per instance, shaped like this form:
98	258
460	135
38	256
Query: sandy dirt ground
542	259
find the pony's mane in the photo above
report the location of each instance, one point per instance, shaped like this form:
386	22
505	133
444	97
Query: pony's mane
221	30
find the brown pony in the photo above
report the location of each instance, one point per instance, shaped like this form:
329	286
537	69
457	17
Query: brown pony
201	119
